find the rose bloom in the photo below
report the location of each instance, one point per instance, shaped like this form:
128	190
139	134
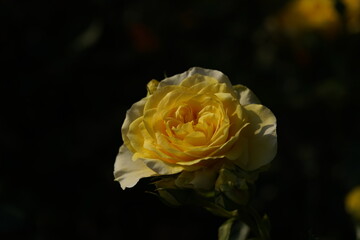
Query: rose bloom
191	122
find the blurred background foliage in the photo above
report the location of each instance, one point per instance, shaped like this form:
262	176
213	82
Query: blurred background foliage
71	69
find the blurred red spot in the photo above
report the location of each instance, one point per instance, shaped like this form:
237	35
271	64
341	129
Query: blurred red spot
143	38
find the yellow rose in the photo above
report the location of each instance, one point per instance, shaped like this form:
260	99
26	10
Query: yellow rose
320	15
191	122
352	203
301	15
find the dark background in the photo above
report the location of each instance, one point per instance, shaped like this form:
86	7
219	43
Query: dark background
70	70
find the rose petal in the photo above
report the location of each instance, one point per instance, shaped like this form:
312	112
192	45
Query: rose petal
161	167
196	138
202	179
177	79
136	111
196	82
152	86
239	153
134	135
262	138
198	163
128	172
245	95
202	84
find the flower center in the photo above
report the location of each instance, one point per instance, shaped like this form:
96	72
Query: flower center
185	114
192	123
180	121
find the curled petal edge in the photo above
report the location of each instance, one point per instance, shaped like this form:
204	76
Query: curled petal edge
136	111
178	78
245	95
128	172
261	137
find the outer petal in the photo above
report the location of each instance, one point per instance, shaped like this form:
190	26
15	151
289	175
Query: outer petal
261	137
152	86
202	179
129	172
161	167
245	95
136	111
177	79
240	150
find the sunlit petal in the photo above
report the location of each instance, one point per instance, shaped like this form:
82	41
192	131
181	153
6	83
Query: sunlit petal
129	172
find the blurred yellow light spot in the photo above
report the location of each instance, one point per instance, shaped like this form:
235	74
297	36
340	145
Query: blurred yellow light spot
352	203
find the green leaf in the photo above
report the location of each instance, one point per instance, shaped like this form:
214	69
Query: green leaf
219	211
178	197
233	185
168	198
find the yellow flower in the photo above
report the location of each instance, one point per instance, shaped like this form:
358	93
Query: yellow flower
352	15
190	123
352	203
320	15
301	15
